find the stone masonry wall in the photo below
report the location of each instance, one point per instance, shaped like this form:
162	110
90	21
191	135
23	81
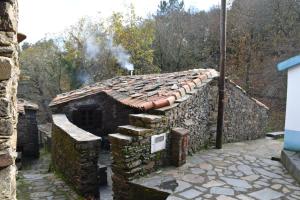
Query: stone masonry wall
245	118
28	140
131	152
114	114
9	73
75	155
193	113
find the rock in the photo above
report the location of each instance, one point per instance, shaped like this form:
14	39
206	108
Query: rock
244	197
182	186
222	191
174	198
6	158
6	127
266	194
245	169
223	197
8	16
5	68
213	183
5	110
267	173
237	182
6	38
192	178
205	166
250	178
8	183
197	171
190	194
276	186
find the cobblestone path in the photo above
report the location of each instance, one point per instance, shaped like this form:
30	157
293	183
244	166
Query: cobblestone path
241	171
34	182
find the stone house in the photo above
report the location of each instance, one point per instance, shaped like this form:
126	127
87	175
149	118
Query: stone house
27	136
145	110
188	99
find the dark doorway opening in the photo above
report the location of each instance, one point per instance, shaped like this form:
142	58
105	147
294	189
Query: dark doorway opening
88	118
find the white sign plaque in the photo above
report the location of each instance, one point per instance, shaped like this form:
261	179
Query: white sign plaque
158	142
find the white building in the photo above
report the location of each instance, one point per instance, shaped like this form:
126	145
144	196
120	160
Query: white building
292	120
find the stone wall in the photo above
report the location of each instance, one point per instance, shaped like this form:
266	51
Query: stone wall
28	141
244	119
131	151
45	136
9	73
75	154
114	114
193	112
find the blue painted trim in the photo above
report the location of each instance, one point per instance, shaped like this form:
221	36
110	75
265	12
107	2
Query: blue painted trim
287	64
292	140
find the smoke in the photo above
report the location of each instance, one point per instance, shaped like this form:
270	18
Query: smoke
84	78
93	50
122	56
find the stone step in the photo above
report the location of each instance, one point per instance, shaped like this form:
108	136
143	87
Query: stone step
134	130
119	139
145	120
275	135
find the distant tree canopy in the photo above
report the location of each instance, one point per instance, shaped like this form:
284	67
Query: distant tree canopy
260	34
167	7
136	36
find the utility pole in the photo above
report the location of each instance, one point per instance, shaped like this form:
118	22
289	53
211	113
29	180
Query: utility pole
219	139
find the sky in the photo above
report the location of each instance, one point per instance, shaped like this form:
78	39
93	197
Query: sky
40	18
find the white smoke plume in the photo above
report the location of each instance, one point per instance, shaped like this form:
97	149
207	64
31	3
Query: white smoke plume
93	50
84	78
122	56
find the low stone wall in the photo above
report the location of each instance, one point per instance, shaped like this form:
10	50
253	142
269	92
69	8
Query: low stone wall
131	151
75	154
245	118
291	161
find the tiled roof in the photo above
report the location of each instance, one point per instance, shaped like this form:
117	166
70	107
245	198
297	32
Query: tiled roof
144	91
25	104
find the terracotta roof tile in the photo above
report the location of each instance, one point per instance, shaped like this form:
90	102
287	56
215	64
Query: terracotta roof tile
144	91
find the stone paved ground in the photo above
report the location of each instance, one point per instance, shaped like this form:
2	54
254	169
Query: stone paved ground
35	182
106	191
240	171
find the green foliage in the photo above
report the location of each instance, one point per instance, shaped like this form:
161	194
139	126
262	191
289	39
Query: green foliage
136	36
167	7
42	74
260	34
